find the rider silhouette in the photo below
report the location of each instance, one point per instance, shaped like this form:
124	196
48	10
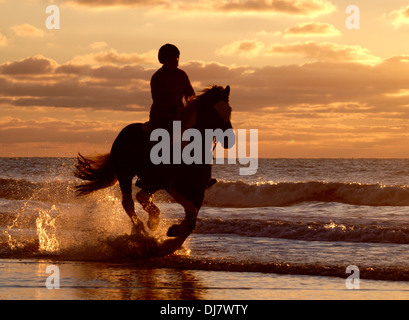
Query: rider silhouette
169	86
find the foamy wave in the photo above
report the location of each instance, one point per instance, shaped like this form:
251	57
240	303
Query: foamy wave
240	194
234	194
54	191
313	231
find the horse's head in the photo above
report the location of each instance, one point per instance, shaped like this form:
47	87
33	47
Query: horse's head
214	112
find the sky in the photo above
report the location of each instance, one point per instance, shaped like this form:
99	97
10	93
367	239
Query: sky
312	86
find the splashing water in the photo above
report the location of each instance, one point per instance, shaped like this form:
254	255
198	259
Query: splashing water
14	231
46	231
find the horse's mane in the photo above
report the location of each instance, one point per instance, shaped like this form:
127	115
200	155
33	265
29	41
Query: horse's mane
189	113
207	93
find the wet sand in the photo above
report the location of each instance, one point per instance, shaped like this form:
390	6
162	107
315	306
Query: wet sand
27	279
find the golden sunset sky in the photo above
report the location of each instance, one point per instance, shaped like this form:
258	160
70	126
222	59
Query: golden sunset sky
312	87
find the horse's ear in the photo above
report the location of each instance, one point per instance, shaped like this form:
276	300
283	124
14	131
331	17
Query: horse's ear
227	91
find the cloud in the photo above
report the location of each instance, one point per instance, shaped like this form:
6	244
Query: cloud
324	51
41	82
291	7
16	130
115	3
244	48
98	45
31	65
55	137
27	30
312	29
328	105
315	51
3	40
112	56
398	17
320	88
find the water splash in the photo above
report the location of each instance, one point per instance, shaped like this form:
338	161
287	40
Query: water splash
14	230
46	231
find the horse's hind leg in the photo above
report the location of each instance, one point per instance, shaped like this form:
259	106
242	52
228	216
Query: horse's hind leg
128	203
145	199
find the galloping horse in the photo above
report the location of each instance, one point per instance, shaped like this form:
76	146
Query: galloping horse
130	157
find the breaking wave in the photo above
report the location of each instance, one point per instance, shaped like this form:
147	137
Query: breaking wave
309	231
235	194
239	194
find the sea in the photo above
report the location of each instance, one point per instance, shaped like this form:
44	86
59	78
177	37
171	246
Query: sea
296	229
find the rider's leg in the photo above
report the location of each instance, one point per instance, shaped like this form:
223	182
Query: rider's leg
145	199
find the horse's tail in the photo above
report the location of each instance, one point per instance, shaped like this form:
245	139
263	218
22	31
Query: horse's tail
98	171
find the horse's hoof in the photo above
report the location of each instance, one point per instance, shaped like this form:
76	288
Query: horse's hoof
182	229
153	222
138	227
176	230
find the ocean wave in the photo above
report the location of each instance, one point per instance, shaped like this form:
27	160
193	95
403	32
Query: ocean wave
308	231
240	194
118	250
53	191
233	194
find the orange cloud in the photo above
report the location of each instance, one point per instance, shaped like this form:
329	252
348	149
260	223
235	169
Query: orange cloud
399	17
322	106
41	82
3	40
32	65
294	7
53	137
291	7
319	51
27	30
312	29
27	131
98	45
112	56
325	51
244	48
114	3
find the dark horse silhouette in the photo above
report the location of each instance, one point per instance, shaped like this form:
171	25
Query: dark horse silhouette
130	157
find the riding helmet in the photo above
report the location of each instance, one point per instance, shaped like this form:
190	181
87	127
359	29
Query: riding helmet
168	51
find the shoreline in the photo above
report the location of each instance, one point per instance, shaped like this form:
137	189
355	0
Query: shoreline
26	280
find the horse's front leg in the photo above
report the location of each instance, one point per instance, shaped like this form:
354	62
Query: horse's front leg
145	199
189	223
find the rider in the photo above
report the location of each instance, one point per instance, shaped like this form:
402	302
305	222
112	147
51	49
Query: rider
169	85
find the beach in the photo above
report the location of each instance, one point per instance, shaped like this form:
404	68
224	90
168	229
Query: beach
26	279
289	232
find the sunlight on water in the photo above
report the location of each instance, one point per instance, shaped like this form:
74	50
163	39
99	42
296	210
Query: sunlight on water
333	225
12	243
46	230
13	229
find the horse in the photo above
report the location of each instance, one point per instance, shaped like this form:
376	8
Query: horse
130	157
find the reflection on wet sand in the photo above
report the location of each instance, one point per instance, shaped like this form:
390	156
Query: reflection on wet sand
26	279
125	282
